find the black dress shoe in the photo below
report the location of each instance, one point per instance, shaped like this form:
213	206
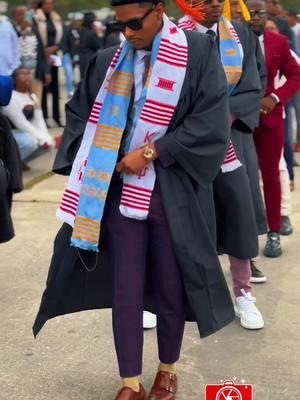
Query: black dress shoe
273	247
257	276
286	226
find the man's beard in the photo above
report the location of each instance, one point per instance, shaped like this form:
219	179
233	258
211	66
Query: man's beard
259	32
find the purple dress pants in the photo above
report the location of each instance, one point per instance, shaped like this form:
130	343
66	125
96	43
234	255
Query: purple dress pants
130	242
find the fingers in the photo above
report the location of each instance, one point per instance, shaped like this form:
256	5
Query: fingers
119	167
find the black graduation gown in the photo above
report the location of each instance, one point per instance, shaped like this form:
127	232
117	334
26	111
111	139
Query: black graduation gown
197	140
249	152
10	178
236	222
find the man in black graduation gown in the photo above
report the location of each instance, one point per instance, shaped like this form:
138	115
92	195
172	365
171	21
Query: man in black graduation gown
236	224
183	279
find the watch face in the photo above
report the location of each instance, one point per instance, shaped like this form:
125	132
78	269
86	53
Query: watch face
148	153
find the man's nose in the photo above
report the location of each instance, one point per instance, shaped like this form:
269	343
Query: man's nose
128	32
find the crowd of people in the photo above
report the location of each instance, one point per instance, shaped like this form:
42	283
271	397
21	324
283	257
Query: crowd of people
171	171
37	41
34	44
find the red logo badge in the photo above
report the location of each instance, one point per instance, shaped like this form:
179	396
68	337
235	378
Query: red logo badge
229	391
165	84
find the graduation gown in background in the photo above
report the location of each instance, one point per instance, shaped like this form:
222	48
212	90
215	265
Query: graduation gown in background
196	141
10	178
249	152
236	223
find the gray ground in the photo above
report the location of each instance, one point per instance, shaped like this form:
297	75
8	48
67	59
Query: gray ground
74	359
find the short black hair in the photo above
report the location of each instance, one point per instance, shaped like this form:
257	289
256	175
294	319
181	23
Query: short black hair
115	3
292	12
15	74
88	19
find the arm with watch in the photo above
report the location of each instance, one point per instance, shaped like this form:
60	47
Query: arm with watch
135	161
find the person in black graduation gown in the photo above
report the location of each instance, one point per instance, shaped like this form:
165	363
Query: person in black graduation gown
10	165
90	43
187	283
237	11
236	225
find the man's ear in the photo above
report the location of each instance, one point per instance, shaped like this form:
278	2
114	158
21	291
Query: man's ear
160	9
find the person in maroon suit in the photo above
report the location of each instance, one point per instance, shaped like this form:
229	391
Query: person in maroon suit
269	136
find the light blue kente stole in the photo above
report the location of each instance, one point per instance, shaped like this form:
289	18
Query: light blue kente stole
231	53
103	153
137	109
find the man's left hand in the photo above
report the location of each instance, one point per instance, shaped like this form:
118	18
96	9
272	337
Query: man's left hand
267	104
133	163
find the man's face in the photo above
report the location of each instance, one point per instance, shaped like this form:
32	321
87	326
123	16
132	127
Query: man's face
48	6
273	7
271	26
152	20
23	80
258	14
292	20
213	10
20	15
236	11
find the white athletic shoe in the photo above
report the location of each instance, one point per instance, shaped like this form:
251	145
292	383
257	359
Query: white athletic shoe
149	320
246	310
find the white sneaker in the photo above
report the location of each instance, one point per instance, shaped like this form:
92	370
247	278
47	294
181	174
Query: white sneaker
246	310
149	320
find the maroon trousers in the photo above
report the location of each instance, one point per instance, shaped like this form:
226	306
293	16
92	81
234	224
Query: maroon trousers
269	146
130	244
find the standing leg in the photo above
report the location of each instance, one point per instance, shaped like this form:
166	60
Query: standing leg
286	207
55	95
241	273
69	73
297	112
127	244
288	142
45	102
246	310
169	291
269	145
170	301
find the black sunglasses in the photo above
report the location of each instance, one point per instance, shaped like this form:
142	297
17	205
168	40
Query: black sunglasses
133	24
259	13
206	2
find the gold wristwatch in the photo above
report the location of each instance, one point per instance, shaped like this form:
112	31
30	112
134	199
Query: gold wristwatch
149	153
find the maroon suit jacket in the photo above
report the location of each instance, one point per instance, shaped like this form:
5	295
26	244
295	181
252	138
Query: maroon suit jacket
279	58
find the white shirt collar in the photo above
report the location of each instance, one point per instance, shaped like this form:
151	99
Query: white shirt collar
140	54
204	29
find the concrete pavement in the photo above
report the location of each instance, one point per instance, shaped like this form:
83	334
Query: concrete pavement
73	358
